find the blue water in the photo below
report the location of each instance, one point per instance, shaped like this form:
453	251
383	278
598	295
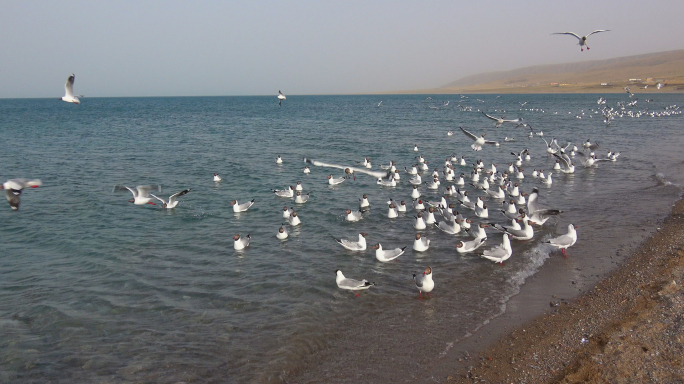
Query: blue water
96	289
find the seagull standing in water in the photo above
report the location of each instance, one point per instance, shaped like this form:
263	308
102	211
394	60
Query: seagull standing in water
566	241
281	97
69	91
582	39
424	282
13	190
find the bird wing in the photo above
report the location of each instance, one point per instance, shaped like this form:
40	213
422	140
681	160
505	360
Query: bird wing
69	86
376	174
491	117
491	142
160	199
144	190
133	191
597	31
563	240
173	197
568	33
353	284
394	253
566	162
468	134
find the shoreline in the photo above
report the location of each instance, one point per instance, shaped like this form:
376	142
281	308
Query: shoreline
627	328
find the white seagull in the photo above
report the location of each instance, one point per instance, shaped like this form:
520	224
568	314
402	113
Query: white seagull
582	39
241	243
470	246
565	241
217	177
282	233
348	170
500	253
424	282
387	255
238	207
69	91
14	187
421	244
141	193
498	121
172	202
479	141
351	284
289	192
354	245
281	97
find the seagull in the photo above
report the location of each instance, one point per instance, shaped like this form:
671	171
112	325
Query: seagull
282	233
535	214
424	282
172	202
217	177
589	161
294	219
421	244
14	187
354	245
141	193
281	97
419	223
499	121
500	253
69	91
279	160
452	227
392	211
479	141
524	233
301	199
289	192
352	216
287	212
389	255
241	242
307	169
238	207
582	39
565	241
469	246
566	163
335	181
351	284
363	202
348	170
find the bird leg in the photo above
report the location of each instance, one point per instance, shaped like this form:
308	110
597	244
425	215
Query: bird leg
149	202
588	48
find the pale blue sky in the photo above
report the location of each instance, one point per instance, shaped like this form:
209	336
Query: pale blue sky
182	48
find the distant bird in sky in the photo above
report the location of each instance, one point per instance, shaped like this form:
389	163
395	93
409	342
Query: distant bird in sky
69	91
282	97
582	39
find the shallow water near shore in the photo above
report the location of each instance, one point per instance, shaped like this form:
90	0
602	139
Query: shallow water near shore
93	288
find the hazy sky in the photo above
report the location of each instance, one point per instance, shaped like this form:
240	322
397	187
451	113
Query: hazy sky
184	48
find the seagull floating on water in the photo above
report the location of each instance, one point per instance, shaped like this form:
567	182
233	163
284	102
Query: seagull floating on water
354	245
241	243
387	255
351	284
240	207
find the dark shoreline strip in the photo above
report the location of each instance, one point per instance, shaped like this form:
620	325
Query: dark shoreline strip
628	328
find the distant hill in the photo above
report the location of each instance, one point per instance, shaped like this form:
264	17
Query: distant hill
586	76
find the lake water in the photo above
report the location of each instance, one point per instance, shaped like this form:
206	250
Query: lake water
96	289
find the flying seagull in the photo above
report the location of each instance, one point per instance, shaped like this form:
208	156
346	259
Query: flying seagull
282	97
69	91
582	39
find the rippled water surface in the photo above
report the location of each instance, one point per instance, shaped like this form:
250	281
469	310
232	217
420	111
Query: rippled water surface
96	289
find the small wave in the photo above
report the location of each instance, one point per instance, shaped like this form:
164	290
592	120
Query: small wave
663	181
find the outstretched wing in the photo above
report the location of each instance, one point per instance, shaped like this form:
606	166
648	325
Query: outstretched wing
162	200
69	86
568	33
468	134
597	31
173	197
376	174
491	117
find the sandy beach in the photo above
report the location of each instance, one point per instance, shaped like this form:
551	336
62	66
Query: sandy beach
629	328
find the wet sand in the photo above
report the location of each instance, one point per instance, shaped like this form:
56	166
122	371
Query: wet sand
629	328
